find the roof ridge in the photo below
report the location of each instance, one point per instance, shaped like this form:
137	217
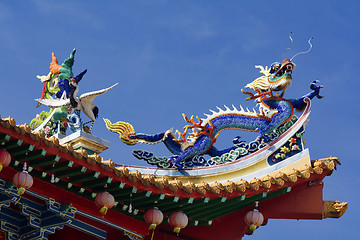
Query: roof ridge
173	184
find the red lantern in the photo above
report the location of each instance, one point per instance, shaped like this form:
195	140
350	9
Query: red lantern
22	180
5	159
104	201
178	220
254	219
154	217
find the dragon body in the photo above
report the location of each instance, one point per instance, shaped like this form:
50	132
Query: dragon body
274	111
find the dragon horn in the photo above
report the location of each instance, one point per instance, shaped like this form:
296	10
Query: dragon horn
124	129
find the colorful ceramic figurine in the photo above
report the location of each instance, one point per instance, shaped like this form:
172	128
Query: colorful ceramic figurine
60	94
55	86
83	103
274	111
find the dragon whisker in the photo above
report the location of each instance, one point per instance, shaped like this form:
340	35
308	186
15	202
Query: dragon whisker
292	43
305	51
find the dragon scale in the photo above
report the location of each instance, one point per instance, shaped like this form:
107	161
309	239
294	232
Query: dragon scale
247	120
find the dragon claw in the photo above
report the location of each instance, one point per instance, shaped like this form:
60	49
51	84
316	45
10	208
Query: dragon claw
263	136
176	164
179	166
316	89
237	140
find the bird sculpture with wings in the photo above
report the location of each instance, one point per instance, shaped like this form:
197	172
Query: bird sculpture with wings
63	101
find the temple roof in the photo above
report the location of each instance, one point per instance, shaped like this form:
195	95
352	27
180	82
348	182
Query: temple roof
149	181
204	202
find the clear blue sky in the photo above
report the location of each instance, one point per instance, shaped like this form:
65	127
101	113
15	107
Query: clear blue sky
174	57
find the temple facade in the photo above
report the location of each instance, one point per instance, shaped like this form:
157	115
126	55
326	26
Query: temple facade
54	184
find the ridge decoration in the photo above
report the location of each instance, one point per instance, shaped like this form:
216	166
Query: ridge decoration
274	114
59	93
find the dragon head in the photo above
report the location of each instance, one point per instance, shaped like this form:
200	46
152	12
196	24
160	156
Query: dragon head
281	78
277	78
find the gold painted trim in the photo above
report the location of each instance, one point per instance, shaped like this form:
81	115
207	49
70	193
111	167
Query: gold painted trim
334	209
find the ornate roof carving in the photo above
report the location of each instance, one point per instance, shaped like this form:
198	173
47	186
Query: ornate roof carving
174	185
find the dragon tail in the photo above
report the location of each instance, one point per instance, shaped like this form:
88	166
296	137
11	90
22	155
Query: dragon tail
124	129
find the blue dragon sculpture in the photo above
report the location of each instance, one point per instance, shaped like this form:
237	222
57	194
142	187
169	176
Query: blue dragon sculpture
274	111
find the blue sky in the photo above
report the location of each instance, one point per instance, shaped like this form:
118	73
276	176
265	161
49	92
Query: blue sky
174	57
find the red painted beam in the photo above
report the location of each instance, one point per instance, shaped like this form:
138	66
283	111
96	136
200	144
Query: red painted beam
61	195
303	202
